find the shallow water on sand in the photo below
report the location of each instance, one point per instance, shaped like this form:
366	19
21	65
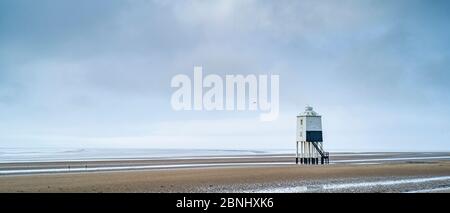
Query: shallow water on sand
392	184
9	155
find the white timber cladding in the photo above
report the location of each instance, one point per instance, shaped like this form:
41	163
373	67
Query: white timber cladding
301	131
308	121
313	123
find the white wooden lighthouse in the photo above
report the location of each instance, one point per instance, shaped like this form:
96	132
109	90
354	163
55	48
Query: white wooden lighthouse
309	138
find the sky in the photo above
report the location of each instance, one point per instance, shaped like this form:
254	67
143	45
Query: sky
96	73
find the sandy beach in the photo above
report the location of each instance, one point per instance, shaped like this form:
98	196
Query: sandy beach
429	174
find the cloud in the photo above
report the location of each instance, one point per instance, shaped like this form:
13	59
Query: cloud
98	72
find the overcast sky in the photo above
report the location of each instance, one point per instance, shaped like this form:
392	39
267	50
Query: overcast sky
96	73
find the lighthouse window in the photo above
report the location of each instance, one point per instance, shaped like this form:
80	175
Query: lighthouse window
301	121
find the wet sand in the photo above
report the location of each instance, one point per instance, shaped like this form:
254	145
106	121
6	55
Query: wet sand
249	178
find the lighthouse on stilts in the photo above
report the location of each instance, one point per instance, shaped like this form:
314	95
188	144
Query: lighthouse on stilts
309	139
